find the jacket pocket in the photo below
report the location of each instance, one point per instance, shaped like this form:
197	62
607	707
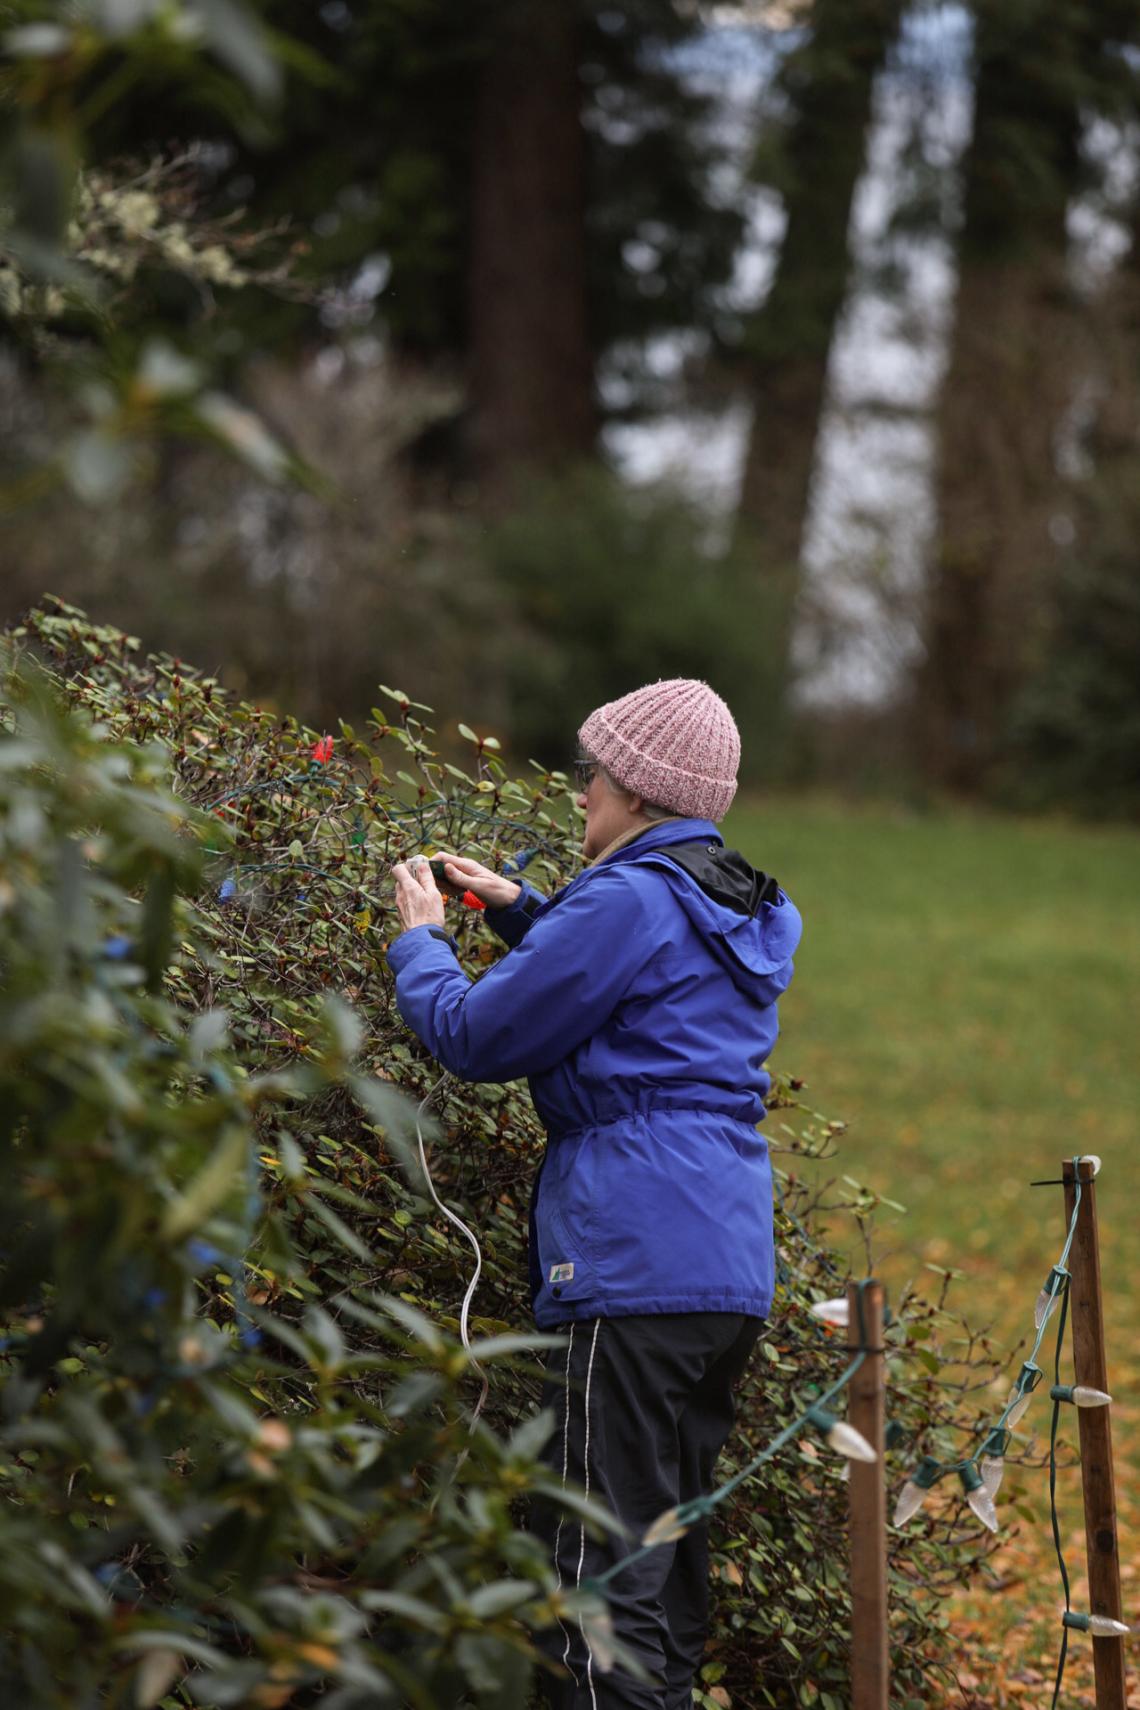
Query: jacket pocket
566	1219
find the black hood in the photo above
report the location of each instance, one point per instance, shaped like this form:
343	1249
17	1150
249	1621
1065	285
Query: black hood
724	875
745	919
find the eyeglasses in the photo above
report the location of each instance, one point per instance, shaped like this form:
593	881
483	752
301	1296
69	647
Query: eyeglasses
585	771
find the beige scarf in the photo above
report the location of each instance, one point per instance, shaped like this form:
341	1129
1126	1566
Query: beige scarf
631	836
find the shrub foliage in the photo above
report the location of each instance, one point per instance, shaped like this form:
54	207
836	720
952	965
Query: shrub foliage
237	1448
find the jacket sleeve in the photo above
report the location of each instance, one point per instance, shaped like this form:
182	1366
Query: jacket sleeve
541	1001
514	922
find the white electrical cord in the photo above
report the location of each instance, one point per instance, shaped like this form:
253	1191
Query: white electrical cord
473	1284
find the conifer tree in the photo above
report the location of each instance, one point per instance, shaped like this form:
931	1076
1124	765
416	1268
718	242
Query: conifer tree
1015	371
828	84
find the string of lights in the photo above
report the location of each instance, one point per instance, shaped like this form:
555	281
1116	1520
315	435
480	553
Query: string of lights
981	1472
427	816
837	1434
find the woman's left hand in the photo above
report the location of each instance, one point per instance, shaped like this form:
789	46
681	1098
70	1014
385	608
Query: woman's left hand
418	901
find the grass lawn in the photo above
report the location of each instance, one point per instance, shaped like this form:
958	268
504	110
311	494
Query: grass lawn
965	998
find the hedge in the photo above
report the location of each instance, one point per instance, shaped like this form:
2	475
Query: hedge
237	1450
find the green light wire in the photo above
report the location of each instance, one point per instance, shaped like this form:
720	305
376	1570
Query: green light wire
313	774
444	805
1060	1279
1059	1284
1053	1485
320	872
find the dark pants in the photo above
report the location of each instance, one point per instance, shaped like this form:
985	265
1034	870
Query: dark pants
643	1406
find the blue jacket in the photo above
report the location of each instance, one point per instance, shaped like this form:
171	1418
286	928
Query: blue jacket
641	1008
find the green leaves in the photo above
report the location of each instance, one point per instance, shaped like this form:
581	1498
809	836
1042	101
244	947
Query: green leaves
164	373
323	1336
211	1187
242	45
527	1439
246	435
77	240
341	1031
98	464
209	1032
173	1200
411	1319
231	1307
157	1671
156	935
41	165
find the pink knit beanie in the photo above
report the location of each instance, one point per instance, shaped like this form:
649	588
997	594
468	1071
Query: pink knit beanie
673	743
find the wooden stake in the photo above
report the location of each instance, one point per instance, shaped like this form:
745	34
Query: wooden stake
870	1657
1095	1426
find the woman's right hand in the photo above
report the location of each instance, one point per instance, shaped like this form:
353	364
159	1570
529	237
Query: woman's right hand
490	887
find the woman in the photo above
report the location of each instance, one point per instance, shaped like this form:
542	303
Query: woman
640	1002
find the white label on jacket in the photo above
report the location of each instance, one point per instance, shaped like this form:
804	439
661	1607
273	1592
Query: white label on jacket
562	1273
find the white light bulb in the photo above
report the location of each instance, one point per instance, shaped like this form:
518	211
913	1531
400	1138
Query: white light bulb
982	1504
993	1469
1105	1627
597	1627
1017	1411
831	1312
845	1440
916	1489
976	1494
1101	1626
666	1529
1085	1397
1051	1292
911	1498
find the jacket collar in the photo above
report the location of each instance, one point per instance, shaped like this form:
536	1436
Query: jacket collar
657	835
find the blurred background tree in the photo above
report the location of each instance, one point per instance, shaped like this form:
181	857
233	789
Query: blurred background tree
567	343
1019	402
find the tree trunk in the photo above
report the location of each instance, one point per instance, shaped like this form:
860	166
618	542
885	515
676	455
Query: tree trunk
1116	432
1006	416
831	86
1008	386
531	365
